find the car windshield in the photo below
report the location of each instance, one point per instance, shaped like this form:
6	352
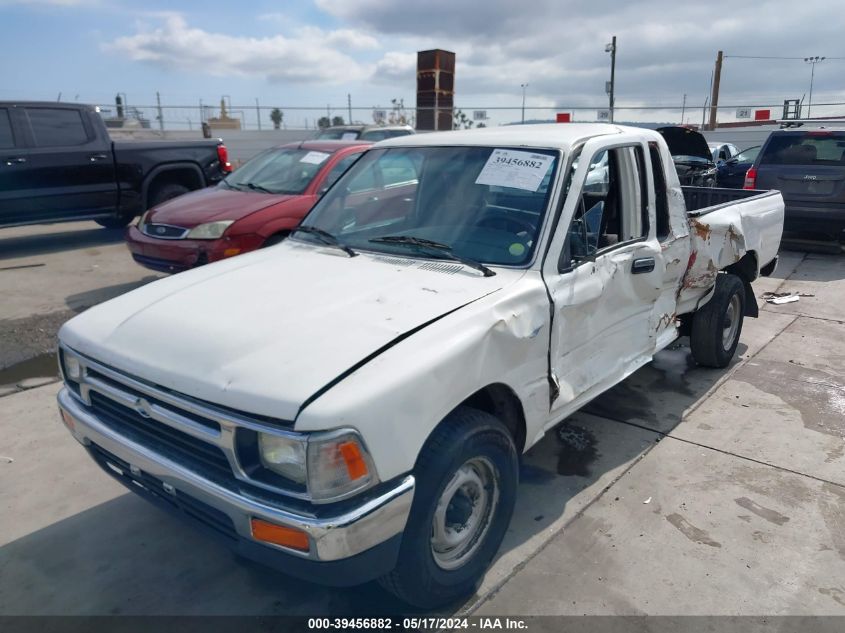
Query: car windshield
278	171
747	155
808	148
683	158
485	204
339	134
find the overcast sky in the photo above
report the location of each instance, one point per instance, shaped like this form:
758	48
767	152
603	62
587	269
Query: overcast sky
313	53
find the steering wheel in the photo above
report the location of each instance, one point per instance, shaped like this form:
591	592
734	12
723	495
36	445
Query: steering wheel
505	222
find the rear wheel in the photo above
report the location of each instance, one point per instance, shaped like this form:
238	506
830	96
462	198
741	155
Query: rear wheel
165	192
466	480
716	327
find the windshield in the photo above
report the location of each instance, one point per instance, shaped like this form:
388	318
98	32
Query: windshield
486	204
278	171
748	155
338	134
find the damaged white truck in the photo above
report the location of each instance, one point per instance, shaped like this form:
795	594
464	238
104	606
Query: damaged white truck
351	404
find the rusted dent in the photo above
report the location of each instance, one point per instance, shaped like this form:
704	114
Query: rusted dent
701	229
665	321
704	279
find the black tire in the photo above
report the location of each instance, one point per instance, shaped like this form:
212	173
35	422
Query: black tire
717	326
467	436
115	221
164	193
274	239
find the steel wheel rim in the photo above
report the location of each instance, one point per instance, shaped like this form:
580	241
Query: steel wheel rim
730	326
464	513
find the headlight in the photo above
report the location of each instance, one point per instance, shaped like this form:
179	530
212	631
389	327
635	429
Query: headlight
209	230
283	455
145	216
71	367
330	467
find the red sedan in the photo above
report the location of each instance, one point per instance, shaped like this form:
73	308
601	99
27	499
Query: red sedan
255	206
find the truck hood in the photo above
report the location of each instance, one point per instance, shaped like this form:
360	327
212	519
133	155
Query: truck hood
213	204
263	332
683	141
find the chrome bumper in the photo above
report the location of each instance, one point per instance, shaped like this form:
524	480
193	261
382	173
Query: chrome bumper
335	538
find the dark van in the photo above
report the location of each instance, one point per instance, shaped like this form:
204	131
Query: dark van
808	167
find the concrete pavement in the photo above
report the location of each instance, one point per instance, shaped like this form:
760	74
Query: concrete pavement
740	510
742	471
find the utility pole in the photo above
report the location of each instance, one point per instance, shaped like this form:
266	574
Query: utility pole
812	61
714	97
523	86
160	116
683	108
611	48
258	113
349	105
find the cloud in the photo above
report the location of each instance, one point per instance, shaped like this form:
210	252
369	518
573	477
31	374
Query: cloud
310	56
665	48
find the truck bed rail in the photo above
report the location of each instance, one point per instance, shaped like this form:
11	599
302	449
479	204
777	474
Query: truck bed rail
702	200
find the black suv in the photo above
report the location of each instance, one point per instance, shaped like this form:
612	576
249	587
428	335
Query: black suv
808	167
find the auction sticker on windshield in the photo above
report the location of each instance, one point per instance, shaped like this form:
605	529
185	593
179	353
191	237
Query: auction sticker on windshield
515	169
314	158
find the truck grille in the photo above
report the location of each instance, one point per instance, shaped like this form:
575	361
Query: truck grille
196	454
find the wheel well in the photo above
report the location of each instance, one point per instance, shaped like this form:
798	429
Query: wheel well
185	176
746	269
500	401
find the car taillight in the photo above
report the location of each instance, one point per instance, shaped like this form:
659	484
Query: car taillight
750	179
223	157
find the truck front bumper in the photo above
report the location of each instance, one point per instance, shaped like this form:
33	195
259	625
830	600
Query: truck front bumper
353	545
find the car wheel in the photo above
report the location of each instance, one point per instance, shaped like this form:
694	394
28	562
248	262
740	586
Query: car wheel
164	193
116	221
716	327
466	479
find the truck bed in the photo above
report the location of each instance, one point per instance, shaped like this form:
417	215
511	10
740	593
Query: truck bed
729	225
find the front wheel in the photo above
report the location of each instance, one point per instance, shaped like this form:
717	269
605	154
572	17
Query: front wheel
716	327
467	475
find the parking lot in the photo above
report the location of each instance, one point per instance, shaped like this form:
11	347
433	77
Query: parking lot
686	491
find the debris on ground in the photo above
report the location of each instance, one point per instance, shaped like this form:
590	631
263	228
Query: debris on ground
8	460
647	500
784	297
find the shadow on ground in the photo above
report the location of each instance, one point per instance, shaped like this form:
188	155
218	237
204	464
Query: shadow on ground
44	243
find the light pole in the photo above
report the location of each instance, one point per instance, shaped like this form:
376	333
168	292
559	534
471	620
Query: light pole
812	61
611	48
523	86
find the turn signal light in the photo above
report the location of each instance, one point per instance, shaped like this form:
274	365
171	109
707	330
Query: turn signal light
355	464
279	535
231	252
67	420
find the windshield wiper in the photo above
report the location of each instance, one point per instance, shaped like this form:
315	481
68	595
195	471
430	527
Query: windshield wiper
254	187
443	249
325	237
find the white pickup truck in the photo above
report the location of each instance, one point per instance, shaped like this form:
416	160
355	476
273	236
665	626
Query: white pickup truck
351	404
